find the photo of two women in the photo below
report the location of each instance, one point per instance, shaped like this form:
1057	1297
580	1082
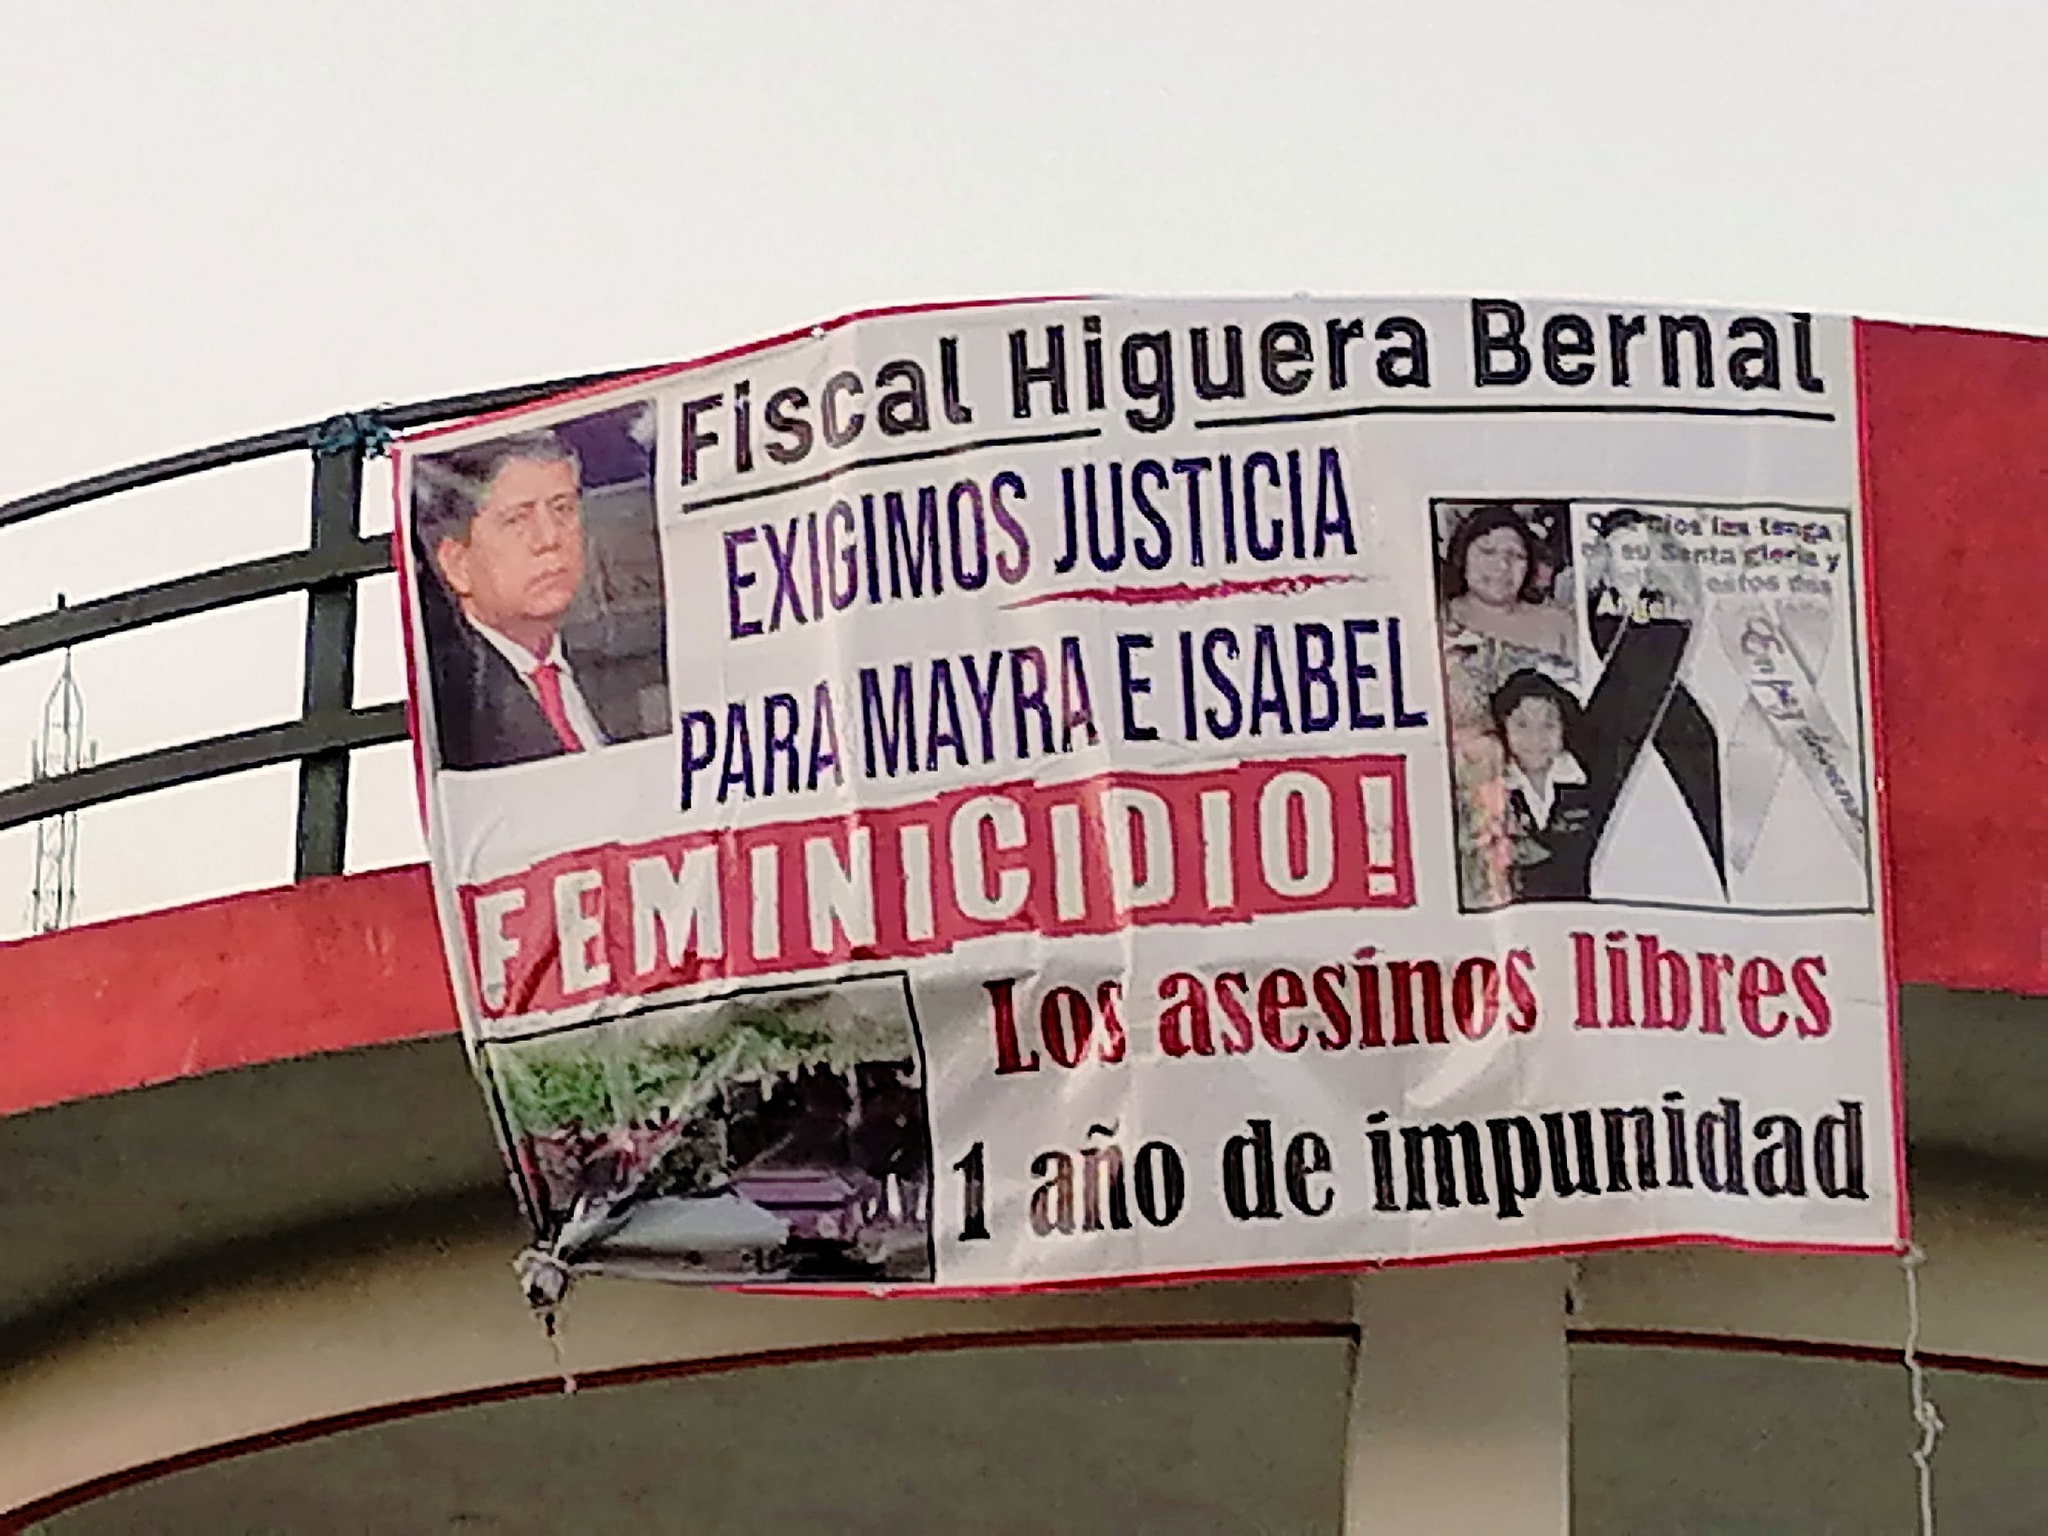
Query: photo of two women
1547	717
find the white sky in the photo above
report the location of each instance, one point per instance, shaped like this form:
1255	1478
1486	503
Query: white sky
225	217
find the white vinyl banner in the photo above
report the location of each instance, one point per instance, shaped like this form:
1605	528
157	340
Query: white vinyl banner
1069	792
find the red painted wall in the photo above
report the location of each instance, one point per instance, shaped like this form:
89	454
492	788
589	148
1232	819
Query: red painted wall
314	967
1956	484
1956	487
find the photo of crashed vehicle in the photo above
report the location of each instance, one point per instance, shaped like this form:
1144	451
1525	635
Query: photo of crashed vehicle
779	1135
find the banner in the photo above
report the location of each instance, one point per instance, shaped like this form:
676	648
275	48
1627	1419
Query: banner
1070	792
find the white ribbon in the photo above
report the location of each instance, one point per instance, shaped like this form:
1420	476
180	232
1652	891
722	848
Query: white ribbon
1777	650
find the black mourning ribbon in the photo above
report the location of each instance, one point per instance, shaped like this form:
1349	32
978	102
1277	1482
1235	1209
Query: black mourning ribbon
1639	701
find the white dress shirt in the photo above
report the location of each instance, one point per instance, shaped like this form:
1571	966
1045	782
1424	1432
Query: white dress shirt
581	721
1564	769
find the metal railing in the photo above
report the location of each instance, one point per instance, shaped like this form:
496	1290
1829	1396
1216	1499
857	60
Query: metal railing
329	726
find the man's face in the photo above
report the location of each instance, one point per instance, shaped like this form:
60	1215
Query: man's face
522	563
1626	556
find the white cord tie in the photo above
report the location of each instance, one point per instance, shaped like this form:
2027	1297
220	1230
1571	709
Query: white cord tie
1924	1415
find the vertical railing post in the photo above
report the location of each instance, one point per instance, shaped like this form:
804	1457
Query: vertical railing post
330	675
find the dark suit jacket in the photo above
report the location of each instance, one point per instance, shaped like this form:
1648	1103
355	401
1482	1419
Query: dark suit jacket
488	718
1554	857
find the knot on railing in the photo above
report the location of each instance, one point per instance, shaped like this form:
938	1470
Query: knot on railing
351	432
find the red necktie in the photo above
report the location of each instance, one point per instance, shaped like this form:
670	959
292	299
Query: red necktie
547	687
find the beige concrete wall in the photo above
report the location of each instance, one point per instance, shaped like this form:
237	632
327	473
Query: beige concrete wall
281	1345
330	1332
1981	1286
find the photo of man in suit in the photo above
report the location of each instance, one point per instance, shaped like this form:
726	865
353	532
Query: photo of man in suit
542	640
